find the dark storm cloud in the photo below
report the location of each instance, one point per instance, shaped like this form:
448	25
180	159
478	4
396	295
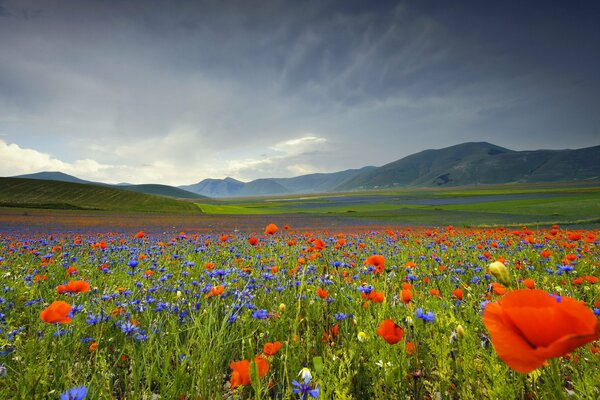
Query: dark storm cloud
197	89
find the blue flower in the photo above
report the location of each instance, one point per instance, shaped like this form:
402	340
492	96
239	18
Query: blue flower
426	317
76	393
260	314
305	388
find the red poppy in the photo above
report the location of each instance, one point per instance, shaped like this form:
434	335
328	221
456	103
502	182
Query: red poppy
241	371
390	332
458	293
215	291
529	326
376	261
74	287
270	349
57	312
529	283
253	241
71	270
330	334
271	229
322	293
406	295
140	235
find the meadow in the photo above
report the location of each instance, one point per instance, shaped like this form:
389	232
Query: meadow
234	308
487	205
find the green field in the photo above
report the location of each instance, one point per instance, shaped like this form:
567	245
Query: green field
31	193
485	205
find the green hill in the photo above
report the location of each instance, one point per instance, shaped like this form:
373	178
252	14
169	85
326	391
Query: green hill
480	163
156	189
35	193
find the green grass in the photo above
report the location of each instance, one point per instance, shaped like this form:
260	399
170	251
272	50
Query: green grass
31	193
541	204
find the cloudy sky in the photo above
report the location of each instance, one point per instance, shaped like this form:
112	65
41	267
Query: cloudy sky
177	91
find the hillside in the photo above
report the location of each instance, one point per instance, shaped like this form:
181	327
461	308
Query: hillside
480	163
37	193
155	189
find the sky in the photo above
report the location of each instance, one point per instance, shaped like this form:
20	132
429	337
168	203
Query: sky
177	91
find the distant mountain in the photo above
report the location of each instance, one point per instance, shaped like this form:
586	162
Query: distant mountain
155	189
463	164
227	187
479	163
312	183
53	176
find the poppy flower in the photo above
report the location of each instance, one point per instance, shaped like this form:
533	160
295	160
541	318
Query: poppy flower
74	287
270	349
57	312
241	371
528	326
458	293
253	241
376	261
322	293
140	235
406	295
330	334
529	283
271	229
390	332
215	291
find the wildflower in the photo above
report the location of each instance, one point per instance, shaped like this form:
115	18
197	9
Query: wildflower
270	349
76	393
215	291
458	293
529	283
271	229
406	295
261	314
390	332
74	287
304	389
241	371
322	293
426	317
57	312
528	326
253	241
140	235
376	261
305	374
362	336
500	272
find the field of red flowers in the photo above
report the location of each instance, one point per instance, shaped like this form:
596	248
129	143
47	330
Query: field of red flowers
231	308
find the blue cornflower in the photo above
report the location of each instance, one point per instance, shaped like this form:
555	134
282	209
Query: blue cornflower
260	314
76	393
128	328
426	317
305	388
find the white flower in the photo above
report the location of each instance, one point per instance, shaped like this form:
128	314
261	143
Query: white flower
305	374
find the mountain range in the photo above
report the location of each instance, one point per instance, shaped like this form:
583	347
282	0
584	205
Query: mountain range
470	163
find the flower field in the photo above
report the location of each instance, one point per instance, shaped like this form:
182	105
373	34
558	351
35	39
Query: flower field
286	313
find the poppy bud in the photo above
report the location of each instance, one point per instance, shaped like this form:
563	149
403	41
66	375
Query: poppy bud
282	307
460	331
361	336
500	271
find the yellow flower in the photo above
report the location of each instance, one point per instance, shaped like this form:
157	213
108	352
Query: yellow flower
362	337
500	271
